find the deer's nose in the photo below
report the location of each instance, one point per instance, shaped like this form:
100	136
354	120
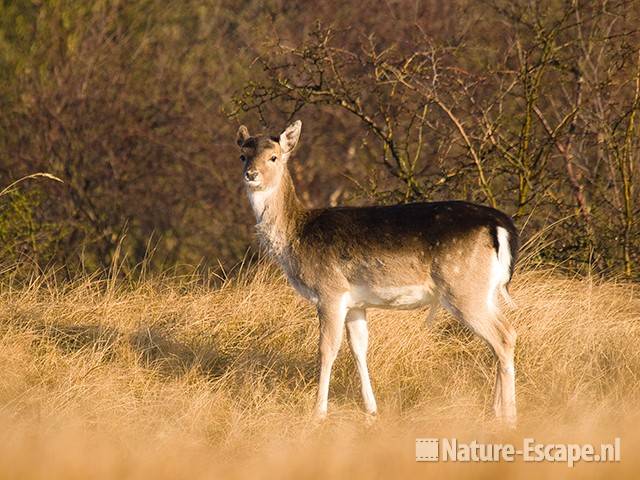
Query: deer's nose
251	175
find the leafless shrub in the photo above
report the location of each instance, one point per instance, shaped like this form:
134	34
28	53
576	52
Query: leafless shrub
545	127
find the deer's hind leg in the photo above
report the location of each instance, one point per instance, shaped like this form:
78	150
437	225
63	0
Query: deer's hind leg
501	337
498	333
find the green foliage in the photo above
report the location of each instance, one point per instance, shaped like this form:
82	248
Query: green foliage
23	233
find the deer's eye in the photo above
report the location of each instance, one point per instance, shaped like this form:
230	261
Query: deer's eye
243	158
274	158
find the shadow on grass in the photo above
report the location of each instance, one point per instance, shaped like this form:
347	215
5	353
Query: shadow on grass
157	349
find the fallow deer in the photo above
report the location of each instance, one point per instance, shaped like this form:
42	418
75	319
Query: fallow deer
347	259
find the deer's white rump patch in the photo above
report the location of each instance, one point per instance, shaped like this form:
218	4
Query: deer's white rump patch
500	270
504	254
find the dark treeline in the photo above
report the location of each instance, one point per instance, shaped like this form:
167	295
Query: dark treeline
528	106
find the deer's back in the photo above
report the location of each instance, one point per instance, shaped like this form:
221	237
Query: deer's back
349	232
389	246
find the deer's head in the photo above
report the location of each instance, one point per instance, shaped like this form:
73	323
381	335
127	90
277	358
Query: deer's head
265	157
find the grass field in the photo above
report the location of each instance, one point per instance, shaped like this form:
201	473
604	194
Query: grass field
167	378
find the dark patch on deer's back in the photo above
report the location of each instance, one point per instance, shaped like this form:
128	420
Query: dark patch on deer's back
418	227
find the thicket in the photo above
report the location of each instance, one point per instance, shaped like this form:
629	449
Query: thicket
528	106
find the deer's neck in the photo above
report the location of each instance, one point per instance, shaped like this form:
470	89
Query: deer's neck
278	214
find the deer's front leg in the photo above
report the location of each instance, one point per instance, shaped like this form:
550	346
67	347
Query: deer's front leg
331	313
359	341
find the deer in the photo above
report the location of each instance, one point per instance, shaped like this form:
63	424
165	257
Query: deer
345	260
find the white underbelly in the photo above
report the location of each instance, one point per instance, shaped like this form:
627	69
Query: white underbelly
403	297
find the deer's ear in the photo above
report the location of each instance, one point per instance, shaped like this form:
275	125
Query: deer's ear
242	135
289	138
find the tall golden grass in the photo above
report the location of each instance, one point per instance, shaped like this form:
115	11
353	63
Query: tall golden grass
166	378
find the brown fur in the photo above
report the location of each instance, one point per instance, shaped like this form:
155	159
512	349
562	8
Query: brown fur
402	256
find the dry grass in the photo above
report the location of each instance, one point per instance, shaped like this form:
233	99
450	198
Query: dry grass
167	378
